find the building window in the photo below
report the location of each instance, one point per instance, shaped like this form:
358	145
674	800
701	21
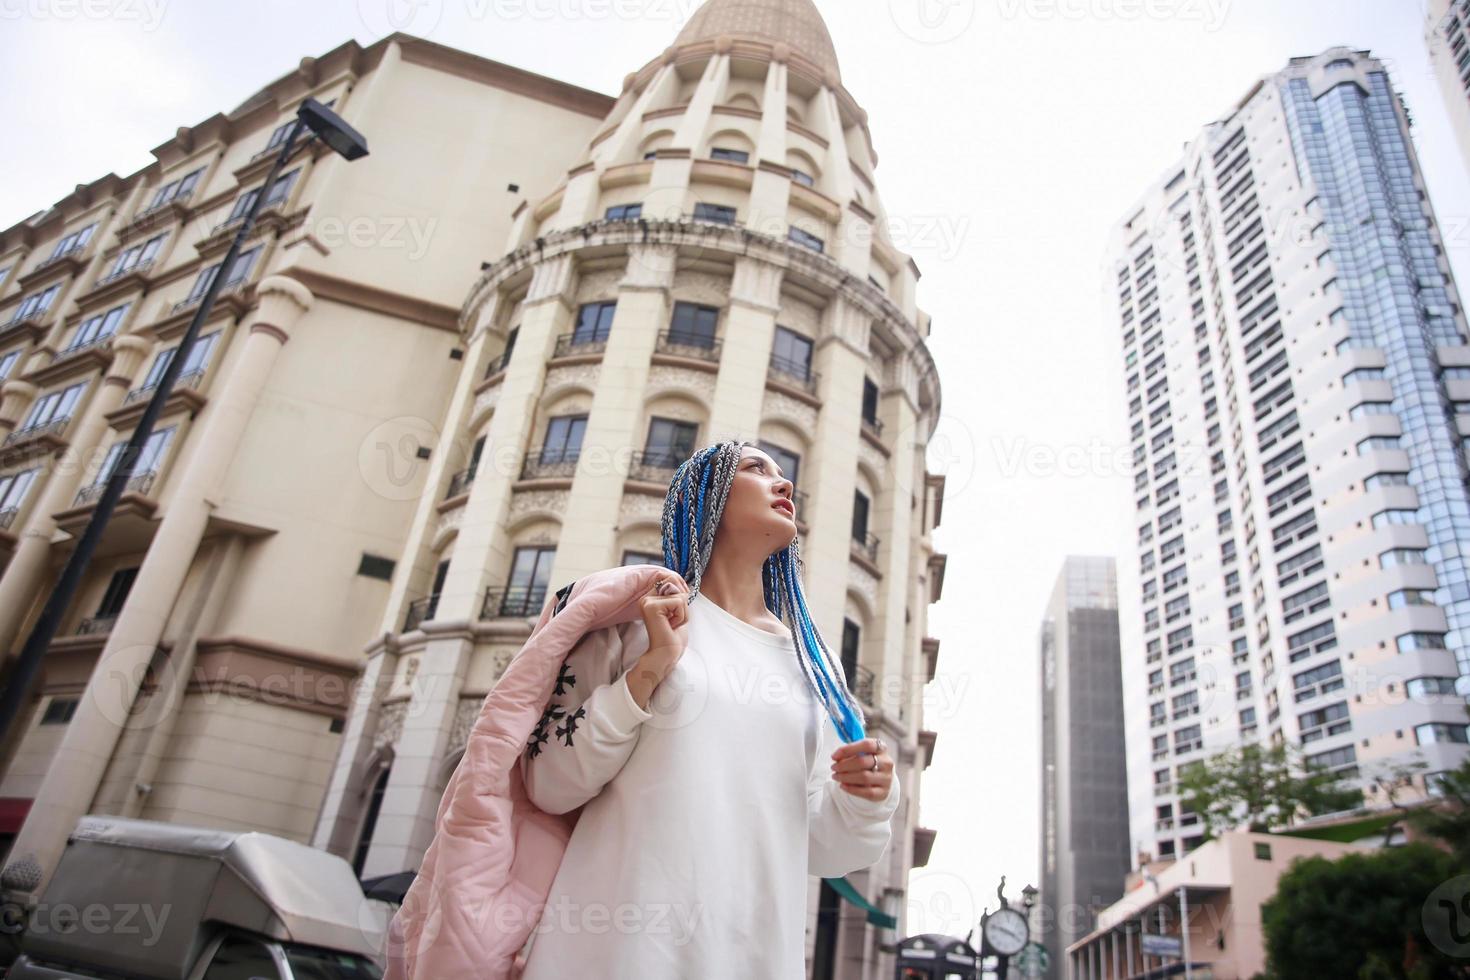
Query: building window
194	363
1440	732
376	566
59	711
802	237
789	462
35	304
803	178
725	153
529	573
74	242
720	214
96	328
137	256
177	189
791	353
563	442
55	406
441	572
694	325
148	457
594	322
642	558
240	271
13	490
859	516
852	635
670	442
624	212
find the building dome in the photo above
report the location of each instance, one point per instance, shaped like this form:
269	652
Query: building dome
792	22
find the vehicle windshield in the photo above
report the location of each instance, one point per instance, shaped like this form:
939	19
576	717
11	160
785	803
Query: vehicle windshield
309	963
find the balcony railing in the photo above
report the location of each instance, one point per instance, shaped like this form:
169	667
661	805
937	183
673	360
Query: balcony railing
97	624
53	428
76	348
873	426
571	343
178	200
497	364
191	301
460	483
139	267
73	252
863	687
141	483
420	610
795	373
514	601
656	465
20	318
189	379
867	546
550	463
686	344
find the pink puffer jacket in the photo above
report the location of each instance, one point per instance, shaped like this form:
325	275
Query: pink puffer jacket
489	868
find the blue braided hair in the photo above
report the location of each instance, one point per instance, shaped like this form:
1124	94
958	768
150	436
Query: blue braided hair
692	511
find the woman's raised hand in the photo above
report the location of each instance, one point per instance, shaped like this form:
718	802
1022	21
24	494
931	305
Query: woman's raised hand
665	612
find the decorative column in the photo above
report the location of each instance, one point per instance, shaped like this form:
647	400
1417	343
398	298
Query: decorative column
405	824
76	771
841	359
15	397
745	350
28	566
615	423
770	194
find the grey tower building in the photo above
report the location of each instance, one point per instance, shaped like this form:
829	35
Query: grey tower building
1448	35
1084	779
1298	376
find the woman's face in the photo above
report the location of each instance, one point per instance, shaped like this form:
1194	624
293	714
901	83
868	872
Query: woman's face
761	505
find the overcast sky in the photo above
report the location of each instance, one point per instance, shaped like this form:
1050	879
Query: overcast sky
1011	134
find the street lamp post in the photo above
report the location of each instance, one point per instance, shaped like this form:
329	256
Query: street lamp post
343	139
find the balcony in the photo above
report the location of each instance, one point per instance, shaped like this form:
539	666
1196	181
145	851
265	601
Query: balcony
866	547
680	344
31	323
550	463
873	427
656	465
156	216
513	601
570	344
140	484
459	483
419	610
497	364
188	379
232	288
794	374
863	687
115	283
96	625
39	438
69	261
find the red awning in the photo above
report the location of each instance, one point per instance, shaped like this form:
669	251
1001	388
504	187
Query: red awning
12	814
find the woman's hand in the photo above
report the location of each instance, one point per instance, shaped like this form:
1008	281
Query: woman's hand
665	612
852	767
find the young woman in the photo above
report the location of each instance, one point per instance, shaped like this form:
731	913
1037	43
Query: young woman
703	746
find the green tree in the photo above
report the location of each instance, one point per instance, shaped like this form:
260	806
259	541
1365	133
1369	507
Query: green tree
1358	916
1262	787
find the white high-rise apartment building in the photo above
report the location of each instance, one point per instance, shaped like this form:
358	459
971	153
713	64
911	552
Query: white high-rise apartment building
1448	34
1297	366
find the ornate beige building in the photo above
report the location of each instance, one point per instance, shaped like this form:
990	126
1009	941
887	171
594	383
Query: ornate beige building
378	464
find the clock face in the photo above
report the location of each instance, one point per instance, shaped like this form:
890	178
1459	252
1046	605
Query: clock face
1006	932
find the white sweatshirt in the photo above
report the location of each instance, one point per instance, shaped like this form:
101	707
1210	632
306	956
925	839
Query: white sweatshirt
704	815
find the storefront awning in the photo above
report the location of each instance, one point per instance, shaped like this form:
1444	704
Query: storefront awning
876	916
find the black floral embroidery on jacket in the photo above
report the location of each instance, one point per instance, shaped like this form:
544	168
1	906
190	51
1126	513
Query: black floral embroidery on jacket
565	680
566	730
540	734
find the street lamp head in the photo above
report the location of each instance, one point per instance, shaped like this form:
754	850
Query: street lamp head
332	130
1028	895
